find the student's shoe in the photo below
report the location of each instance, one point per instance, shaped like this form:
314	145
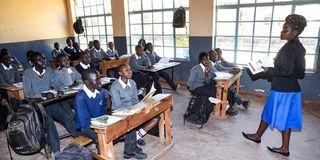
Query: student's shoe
245	135
246	104
141	142
232	111
136	155
286	154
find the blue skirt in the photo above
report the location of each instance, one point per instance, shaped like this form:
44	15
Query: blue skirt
283	110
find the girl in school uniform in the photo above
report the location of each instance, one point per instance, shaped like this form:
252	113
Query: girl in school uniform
283	109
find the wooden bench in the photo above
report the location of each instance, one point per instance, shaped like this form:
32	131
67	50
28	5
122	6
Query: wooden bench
84	141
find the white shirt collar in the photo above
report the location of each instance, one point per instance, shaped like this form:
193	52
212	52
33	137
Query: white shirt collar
5	67
97	50
137	57
212	63
124	85
58	50
38	73
89	93
202	66
84	66
70	47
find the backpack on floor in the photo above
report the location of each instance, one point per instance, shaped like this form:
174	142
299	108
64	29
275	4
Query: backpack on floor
198	111
75	151
26	129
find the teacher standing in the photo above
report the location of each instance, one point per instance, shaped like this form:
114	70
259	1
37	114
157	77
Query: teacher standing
283	109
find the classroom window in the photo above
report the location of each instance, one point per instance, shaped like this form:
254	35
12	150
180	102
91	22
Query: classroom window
152	20
249	29
97	21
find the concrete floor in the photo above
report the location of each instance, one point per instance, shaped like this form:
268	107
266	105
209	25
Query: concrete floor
222	139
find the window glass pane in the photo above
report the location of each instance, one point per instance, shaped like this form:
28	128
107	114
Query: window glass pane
157	28
110	39
94	10
157	4
228	55
182	53
100	9
168	52
168	4
89	30
310	44
276	28
147	28
246	1
147	17
308	11
244	43
94	21
310	59
148	38
225	42
258	55
135	18
103	40
261	44
246	14
168	16
82	40
281	12
101	21
264	1
182	41
88	22
182	3
168	29
245	28
102	30
182	30
311	30
226	29
158	40
219	2
107	6
79	12
109	30
226	15
159	51
157	17
134	5
87	11
147	4
168	40
264	13
243	57
135	40
109	20
136	29
262	29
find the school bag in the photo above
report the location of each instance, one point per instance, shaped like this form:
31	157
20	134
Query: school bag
179	18
75	151
198	111
77	26
26	132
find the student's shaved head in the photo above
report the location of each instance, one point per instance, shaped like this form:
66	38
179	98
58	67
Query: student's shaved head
86	74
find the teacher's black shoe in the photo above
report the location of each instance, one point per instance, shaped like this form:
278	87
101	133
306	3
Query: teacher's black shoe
286	154
247	137
136	155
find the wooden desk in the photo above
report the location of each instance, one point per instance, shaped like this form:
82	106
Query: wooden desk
160	104
113	63
54	63
164	66
14	92
222	94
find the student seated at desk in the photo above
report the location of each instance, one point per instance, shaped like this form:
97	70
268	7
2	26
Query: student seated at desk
90	47
139	61
14	60
124	94
56	51
222	60
85	62
111	52
90	102
70	50
65	76
154	58
233	98
9	73
36	80
97	54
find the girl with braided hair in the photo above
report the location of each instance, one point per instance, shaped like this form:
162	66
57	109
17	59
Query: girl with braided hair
283	109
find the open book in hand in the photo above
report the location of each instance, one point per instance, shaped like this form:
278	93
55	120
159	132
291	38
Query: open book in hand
148	97
256	66
104	120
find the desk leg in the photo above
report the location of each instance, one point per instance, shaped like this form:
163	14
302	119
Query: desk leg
172	74
167	126
106	149
238	86
161	128
224	103
218	106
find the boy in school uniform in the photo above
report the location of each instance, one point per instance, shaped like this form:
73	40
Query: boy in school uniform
222	60
90	102
85	62
90	46
154	58
97	54
9	73
56	51
124	94
232	96
70	50
65	76
111	52
14	60
139	61
36	80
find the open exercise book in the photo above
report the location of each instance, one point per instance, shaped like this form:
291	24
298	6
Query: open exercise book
104	120
137	107
256	66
